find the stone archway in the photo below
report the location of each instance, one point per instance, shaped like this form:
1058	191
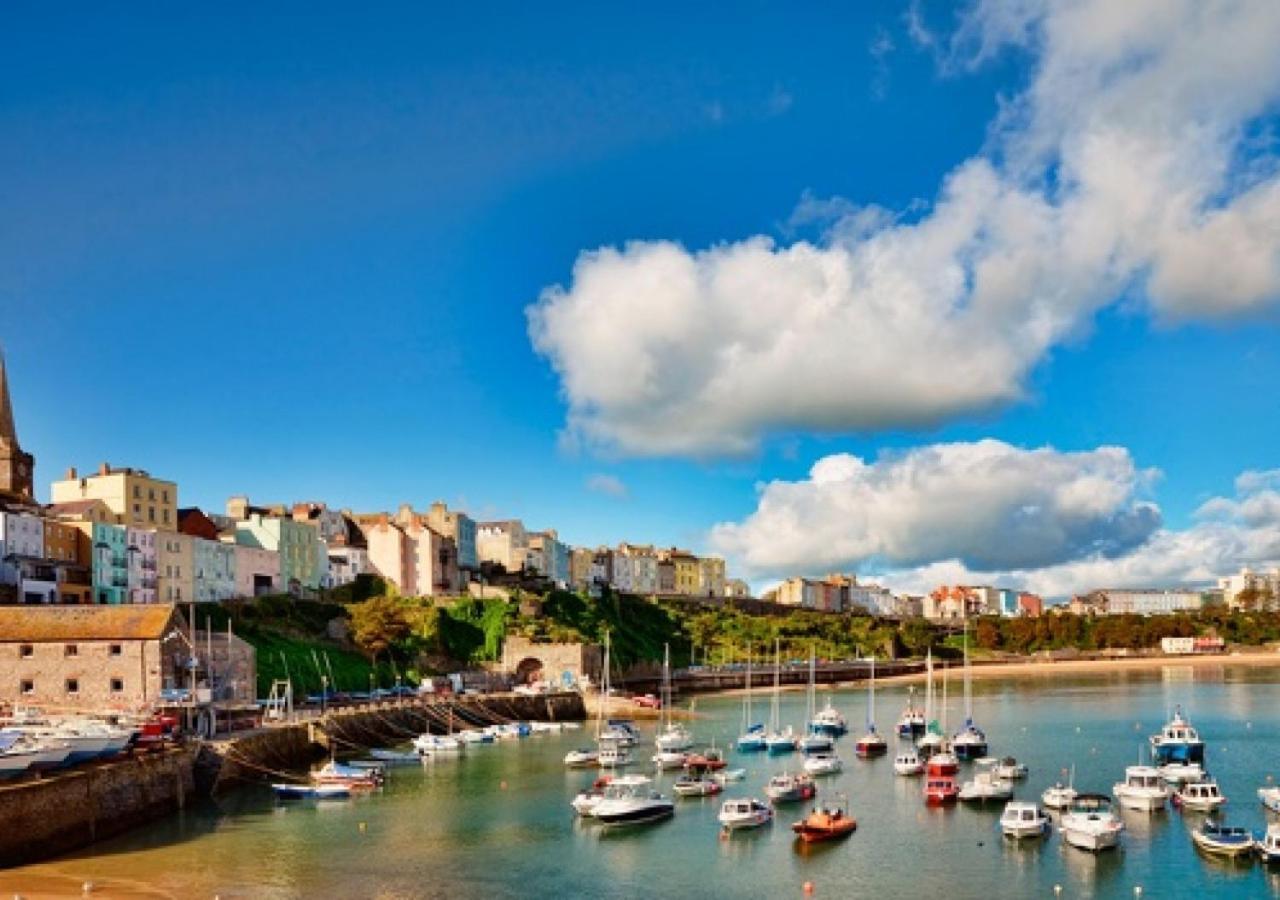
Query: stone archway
529	670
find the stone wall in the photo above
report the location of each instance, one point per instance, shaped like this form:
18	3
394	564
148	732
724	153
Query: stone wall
117	675
554	663
69	810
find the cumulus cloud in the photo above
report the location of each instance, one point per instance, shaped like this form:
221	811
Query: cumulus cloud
1128	166
609	485
987	504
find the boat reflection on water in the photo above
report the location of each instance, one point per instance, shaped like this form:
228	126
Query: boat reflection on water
1095	874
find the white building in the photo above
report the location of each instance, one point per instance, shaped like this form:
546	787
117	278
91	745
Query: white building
1154	601
346	564
22	558
1262	582
505	543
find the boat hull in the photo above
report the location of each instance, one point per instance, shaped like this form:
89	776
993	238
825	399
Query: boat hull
638	816
1093	841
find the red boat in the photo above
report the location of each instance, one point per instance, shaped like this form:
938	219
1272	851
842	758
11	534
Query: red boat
940	789
825	824
710	761
870	744
943	763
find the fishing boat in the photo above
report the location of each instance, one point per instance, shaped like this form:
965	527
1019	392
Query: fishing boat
829	721
613	756
1270	798
672	736
778	739
584	803
827	763
940	789
709	760
666	760
582	758
1269	845
969	742
1023	820
825	823
311	791
355	777
737	815
632	804
908	763
621	732
729	776
1199	796
789	788
696	786
436	744
1177	742
752	739
985	785
1142	790
1091	823
1061	796
1010	769
1223	840
871	744
913	721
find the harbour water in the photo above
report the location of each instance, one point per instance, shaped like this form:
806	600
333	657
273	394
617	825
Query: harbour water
496	822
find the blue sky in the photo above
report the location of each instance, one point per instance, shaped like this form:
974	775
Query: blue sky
290	254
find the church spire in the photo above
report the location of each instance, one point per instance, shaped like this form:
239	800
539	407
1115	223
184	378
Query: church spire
8	431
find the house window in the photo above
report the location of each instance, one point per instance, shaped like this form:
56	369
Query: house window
117	650
151	513
26	651
71	650
166	515
73	685
117	685
137	492
28	686
137	510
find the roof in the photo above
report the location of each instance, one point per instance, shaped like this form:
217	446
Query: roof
36	624
71	507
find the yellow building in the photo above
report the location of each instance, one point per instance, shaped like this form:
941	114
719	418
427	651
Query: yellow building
687	572
133	496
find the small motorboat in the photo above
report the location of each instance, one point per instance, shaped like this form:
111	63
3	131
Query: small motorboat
696	786
1091	823
736	815
827	763
816	742
1010	769
1023	820
829	721
789	788
621	732
1143	790
675	737
544	727
1177	742
825	823
1061	796
943	762
582	758
1180	773
709	760
433	744
476	736
625	804
394	757
1223	840
1270	798
311	791
354	777
584	804
985	784
1199	796
912	723
728	776
613	756
908	763
940	789
1269	845
666	760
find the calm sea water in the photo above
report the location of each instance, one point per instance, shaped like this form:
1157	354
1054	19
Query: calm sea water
496	822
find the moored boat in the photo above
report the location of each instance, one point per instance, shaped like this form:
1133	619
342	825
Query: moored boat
613	756
1178	741
434	744
1180	773
823	764
778	740
1091	823
311	791
1269	845
1010	769
1142	790
666	760
585	803
970	742
625	805
1270	798
1199	796
1061	796
985	785
672	736
871	743
1023	820
739	814
908	763
790	788
752	739
1223	840
940	789
912	722
825	823
829	721
729	776
582	758
696	786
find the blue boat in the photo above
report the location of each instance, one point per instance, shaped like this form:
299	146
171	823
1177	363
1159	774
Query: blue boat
1177	742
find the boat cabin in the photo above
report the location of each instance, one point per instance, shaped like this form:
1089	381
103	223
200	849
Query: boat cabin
1143	777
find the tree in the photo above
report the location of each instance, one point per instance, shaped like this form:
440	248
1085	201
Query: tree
988	635
917	636
377	625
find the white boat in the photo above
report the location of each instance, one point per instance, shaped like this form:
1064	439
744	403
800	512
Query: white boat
312	791
1142	789
666	760
435	744
584	804
582	758
544	727
829	721
1091	823
778	739
1010	769
1023	820
671	735
1269	845
696	786
1223	840
620	732
752	739
393	757
1180	773
1061	796
632	805
475	736
1178	741
985	785
613	756
1270	798
823	764
728	776
788	788
736	815
1199	796
815	742
908	763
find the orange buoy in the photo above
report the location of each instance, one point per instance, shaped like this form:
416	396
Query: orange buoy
808	887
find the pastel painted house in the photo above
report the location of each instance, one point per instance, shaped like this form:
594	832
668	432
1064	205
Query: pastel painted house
141	559
109	545
257	571
215	570
304	559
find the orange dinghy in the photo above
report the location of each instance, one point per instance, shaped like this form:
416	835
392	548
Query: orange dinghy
825	824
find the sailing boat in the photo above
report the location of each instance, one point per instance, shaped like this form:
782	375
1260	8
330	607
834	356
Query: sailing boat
778	740
933	740
674	737
815	741
970	742
913	721
871	744
589	757
752	738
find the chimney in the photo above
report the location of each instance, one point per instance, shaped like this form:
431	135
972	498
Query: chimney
104	469
72	474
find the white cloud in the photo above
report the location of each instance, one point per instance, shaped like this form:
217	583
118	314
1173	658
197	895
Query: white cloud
609	485
987	503
1128	162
